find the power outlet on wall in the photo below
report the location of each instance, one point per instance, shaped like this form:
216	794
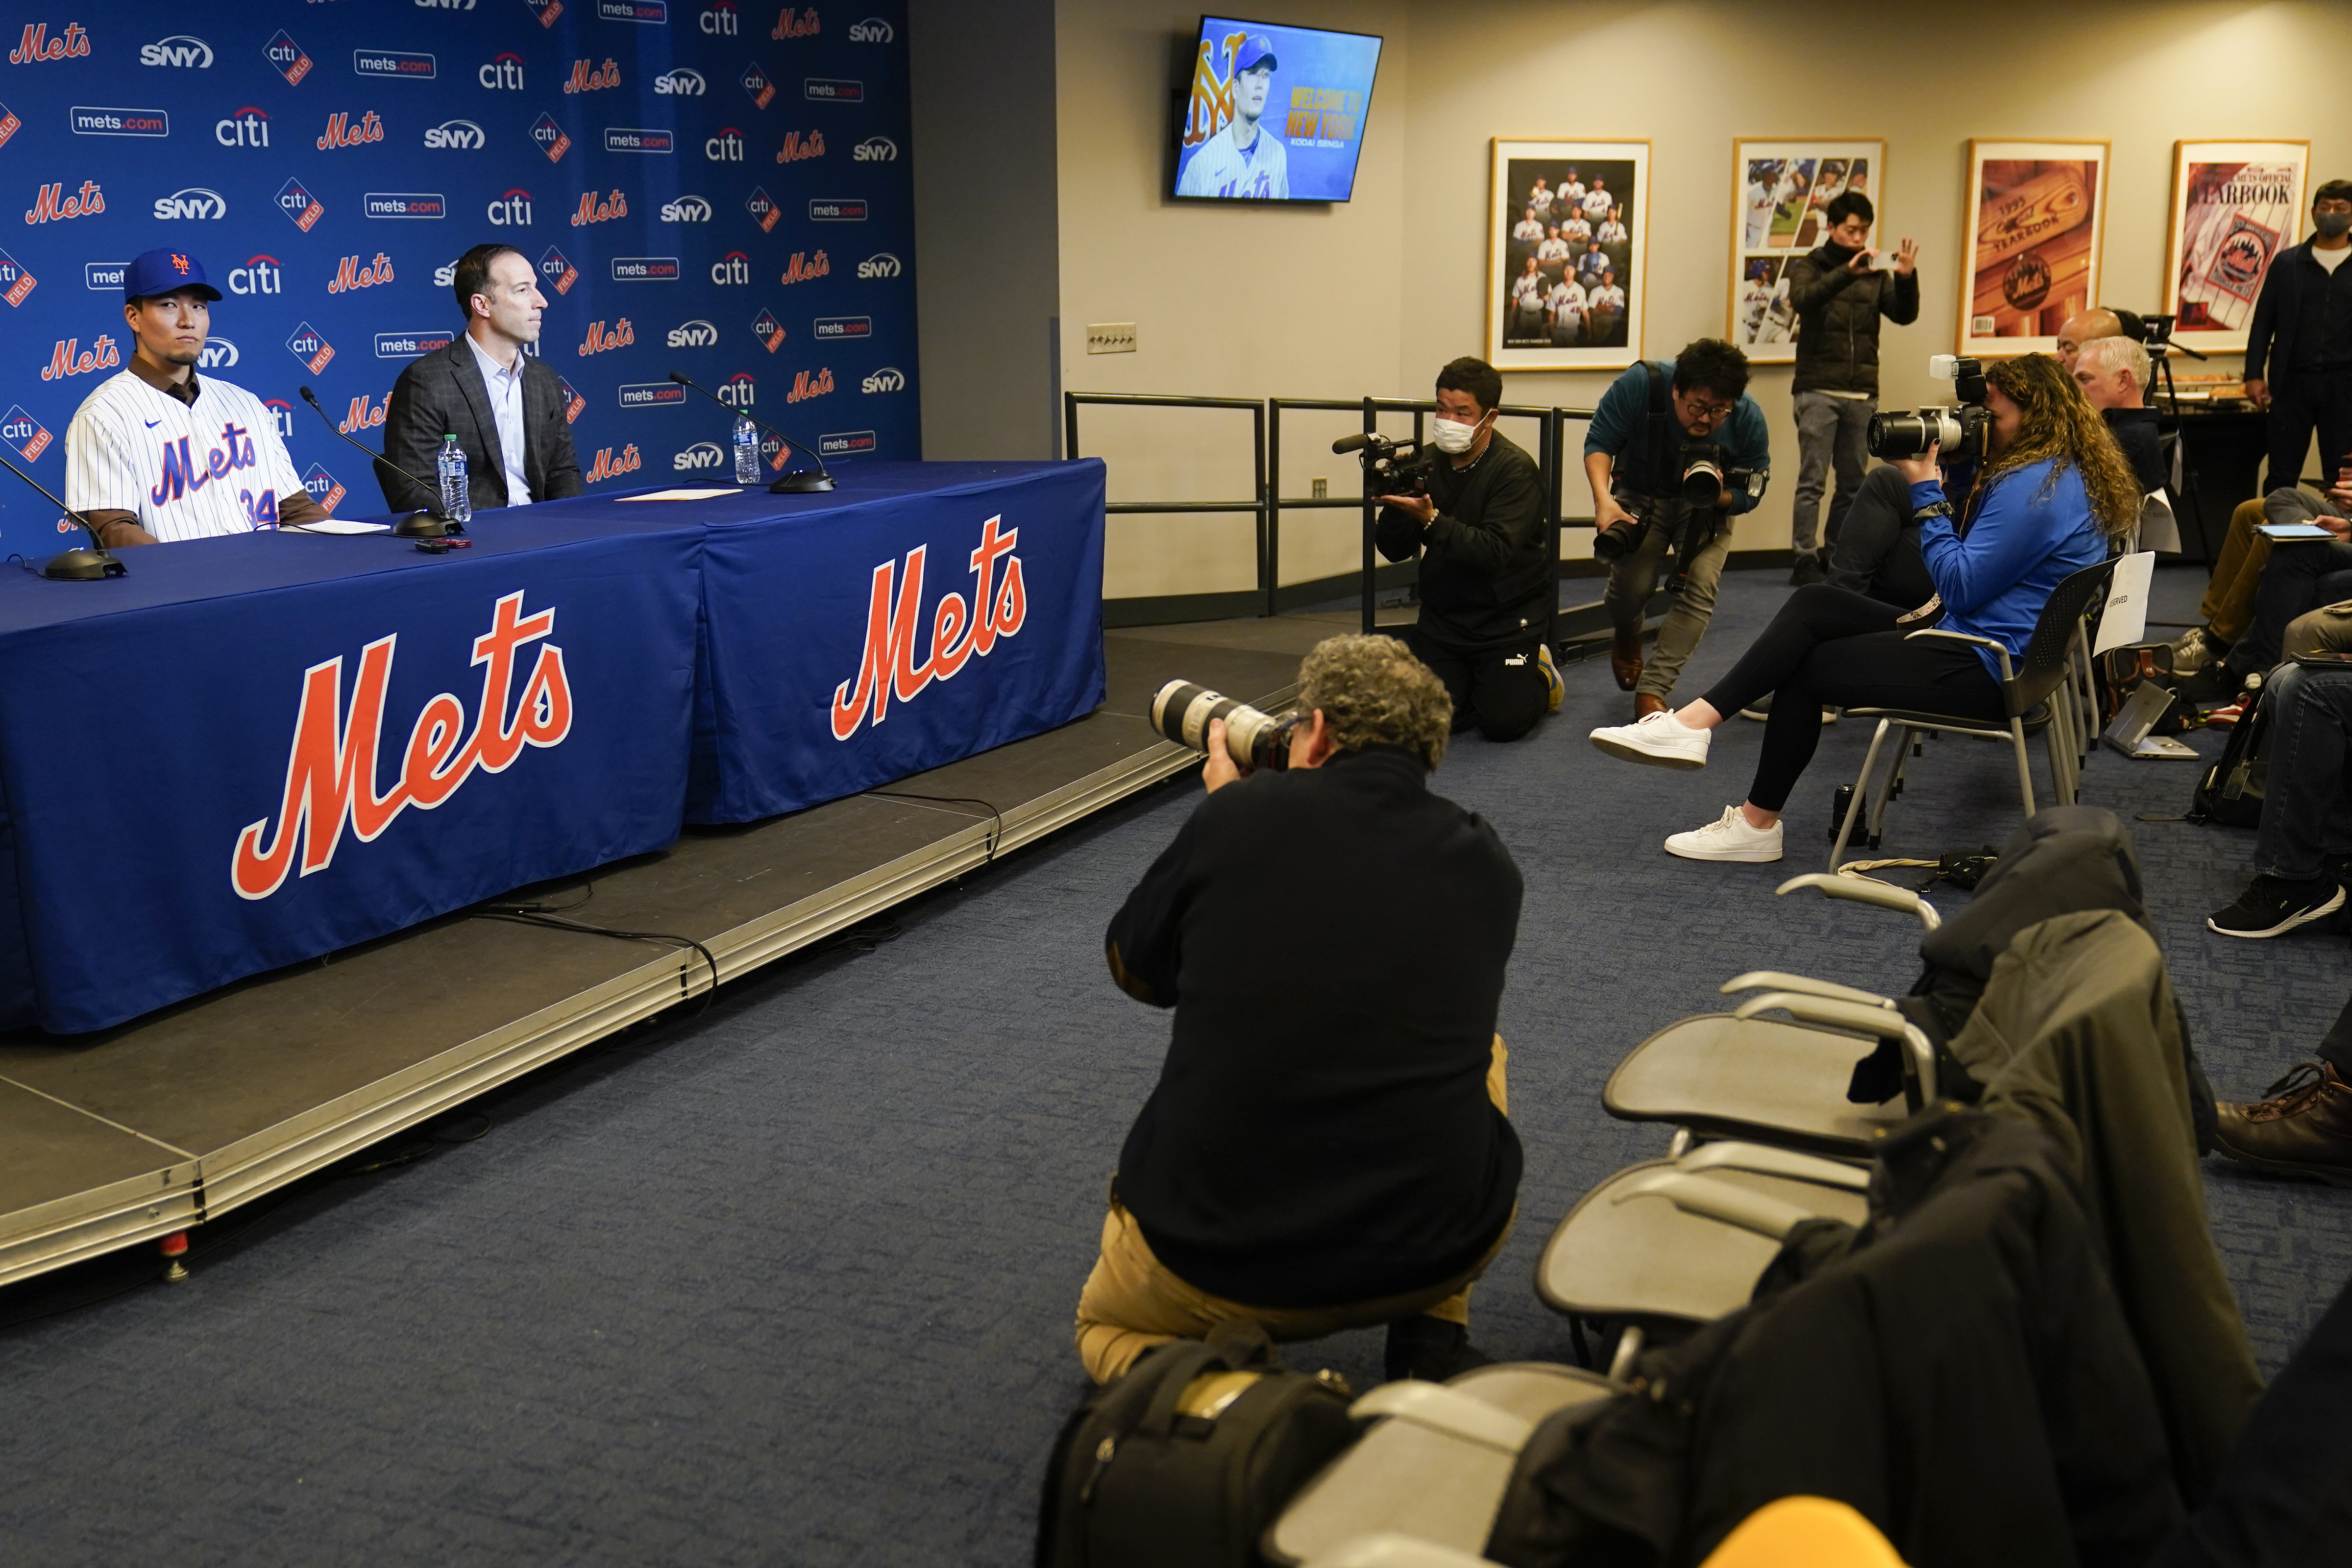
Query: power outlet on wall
1111	337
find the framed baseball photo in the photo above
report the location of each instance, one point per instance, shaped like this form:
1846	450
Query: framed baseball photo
2235	204
1567	238
2033	218
1780	190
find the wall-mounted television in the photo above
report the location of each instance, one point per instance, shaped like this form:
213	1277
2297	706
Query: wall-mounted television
1274	113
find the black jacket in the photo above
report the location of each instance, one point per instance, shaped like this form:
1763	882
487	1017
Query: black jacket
1837	320
444	394
1333	942
2302	320
2135	431
1485	576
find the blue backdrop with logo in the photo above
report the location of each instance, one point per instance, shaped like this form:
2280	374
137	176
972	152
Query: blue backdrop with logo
717	188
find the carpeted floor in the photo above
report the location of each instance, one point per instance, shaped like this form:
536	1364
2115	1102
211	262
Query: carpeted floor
791	1282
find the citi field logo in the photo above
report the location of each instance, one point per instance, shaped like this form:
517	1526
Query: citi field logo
70	358
809	384
881	264
875	150
16	282
351	273
762	208
890	378
685	209
734	267
604	339
586	78
287	56
457	136
718	21
727	147
301	207
574	405
547	11
91	119
550	138
769	331
889	667
873	30
192	203
38	46
556	272
737	391
513	209
259	275
802	267
53	206
798	148
331	768
342	130
683	82
695	334
9	124
502	73
792	23
218	353
832	89
248	127
756	83
610	465
701	456
28	435
638	139
398	63
365	414
310	347
596	210
179	49
320	485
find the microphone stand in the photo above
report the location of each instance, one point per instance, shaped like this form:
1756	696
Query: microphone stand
800	481
432	522
83	564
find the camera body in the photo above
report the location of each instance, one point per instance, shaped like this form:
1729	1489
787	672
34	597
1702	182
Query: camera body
1707	475
1392	467
1959	428
1254	739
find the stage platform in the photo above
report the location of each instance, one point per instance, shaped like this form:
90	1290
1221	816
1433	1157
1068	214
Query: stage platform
179	1117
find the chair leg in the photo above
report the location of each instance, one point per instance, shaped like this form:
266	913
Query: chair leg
2025	767
1860	789
1884	794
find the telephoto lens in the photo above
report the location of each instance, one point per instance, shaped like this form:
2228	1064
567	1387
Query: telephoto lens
1702	481
1959	431
1181	711
1616	544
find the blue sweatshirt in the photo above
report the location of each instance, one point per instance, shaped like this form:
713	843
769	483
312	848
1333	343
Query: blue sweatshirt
2021	544
1621	427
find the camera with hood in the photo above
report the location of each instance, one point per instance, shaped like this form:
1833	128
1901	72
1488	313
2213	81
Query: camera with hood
1959	428
1181	711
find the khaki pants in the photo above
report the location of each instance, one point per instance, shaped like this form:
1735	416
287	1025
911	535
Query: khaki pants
1132	1302
1635	576
2328	630
2228	606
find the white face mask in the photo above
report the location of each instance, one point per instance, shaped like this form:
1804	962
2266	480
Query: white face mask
1452	436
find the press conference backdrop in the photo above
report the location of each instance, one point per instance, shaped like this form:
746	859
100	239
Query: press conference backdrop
717	188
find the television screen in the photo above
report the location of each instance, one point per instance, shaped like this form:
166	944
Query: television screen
1274	113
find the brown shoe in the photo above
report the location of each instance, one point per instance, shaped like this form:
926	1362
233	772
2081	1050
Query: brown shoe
1646	703
2303	1128
1625	657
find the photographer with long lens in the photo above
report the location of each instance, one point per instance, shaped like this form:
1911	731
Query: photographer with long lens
1473	506
2054	489
1326	1147
1676	449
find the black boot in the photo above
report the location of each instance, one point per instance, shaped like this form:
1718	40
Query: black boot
1430	1349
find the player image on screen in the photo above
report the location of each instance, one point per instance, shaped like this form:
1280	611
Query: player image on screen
1244	161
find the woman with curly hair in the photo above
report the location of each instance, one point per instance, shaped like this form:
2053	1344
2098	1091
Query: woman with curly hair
2053	493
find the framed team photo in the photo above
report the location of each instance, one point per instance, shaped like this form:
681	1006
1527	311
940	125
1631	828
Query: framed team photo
2034	216
2235	205
1567	240
1779	192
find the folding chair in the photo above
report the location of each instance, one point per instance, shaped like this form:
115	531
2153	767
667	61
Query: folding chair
2042	697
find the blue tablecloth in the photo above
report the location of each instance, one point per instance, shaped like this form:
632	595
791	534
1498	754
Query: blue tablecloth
256	749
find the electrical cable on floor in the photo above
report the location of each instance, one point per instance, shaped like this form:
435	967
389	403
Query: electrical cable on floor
539	915
996	823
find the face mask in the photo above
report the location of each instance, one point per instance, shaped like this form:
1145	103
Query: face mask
1453	437
2334	225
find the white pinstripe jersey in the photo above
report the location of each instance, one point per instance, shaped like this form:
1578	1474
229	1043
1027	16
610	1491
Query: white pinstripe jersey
1221	169
190	472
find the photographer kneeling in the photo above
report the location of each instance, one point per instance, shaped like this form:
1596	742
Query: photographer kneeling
1486	578
1648	452
1326	1147
2053	490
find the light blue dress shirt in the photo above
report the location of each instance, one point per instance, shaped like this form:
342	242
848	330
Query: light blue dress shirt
506	408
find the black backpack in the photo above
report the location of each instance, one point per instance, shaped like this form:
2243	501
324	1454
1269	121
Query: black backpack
1186	1460
2231	791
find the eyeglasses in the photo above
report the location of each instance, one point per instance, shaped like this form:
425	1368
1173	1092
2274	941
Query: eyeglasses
1697	410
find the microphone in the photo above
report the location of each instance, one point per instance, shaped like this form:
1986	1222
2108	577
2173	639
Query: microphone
1347	444
83	564
429	523
798	482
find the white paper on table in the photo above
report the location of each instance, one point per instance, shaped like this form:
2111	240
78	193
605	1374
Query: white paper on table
337	525
2124	620
683	495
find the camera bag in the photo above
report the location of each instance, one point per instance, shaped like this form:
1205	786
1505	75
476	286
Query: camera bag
1186	1460
2231	791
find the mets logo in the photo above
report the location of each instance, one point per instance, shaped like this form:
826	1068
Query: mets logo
2245	253
331	772
960	632
2027	282
1212	102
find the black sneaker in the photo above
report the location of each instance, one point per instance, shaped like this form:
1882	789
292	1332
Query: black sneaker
1807	572
1431	1349
2272	906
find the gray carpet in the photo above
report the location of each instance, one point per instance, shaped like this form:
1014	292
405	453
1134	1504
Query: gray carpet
791	1282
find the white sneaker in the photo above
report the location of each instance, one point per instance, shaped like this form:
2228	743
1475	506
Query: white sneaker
1728	838
1660	740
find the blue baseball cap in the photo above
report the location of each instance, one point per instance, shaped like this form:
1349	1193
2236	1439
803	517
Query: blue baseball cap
1258	51
158	272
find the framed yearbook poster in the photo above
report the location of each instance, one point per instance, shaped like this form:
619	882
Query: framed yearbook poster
1566	237
2033	225
2235	205
1780	190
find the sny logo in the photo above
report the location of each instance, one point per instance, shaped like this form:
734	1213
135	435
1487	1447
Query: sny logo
881	264
718	22
683	82
350	275
797	147
341	132
685	209
331	769
732	267
248	127
461	135
890	378
502	74
876	150
887	667
607	466
873	30
179	49
49	206
701	454
801	268
600	340
695	334
592	79
194	202
595	211
805	386
259	275
514	208
727	147
218	353
288	57
38	46
793	24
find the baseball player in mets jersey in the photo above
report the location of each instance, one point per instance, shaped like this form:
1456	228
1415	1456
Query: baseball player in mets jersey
1245	159
157	453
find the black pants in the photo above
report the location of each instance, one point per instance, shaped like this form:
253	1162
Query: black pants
2300	575
1873	544
1835	647
1499	689
2321	400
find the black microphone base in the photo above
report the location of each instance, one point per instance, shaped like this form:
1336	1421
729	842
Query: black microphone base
800	484
87	564
427	525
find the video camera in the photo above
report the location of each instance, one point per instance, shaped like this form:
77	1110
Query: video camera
1254	739
1392	467
1959	429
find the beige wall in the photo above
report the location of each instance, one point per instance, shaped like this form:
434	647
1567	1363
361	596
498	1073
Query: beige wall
1374	294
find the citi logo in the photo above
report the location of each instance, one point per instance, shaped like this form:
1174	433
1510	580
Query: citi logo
807	384
53	204
587	79
797	147
695	334
333	764
281	417
70	358
322	485
559	273
608	465
311	349
762	208
179	49
803	267
890	378
718	22
365	414
876	150
462	135
602	339
756	83
873	30
37	46
259	275
685	209
593	210
343	132
881	264
248	127
27	434
795	23
551	138
299	205
727	147
502	74
732	267
701	454
961	629
513	209
683	82
769	331
351	274
287	54
218	353
736	391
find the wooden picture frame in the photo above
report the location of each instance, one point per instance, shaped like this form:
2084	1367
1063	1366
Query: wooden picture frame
2235	206
1778	188
2034	215
1565	335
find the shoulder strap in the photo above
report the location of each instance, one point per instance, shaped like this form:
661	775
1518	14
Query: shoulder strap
1656	461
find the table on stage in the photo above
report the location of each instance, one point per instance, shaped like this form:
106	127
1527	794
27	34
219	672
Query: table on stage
260	749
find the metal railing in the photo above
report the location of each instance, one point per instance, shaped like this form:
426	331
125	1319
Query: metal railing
1259	507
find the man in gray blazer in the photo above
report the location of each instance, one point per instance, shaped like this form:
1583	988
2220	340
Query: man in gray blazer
503	405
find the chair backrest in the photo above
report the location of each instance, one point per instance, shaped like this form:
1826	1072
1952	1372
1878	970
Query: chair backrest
2044	665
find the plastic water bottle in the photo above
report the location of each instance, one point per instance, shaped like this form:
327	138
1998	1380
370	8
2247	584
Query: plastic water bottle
746	450
455	503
